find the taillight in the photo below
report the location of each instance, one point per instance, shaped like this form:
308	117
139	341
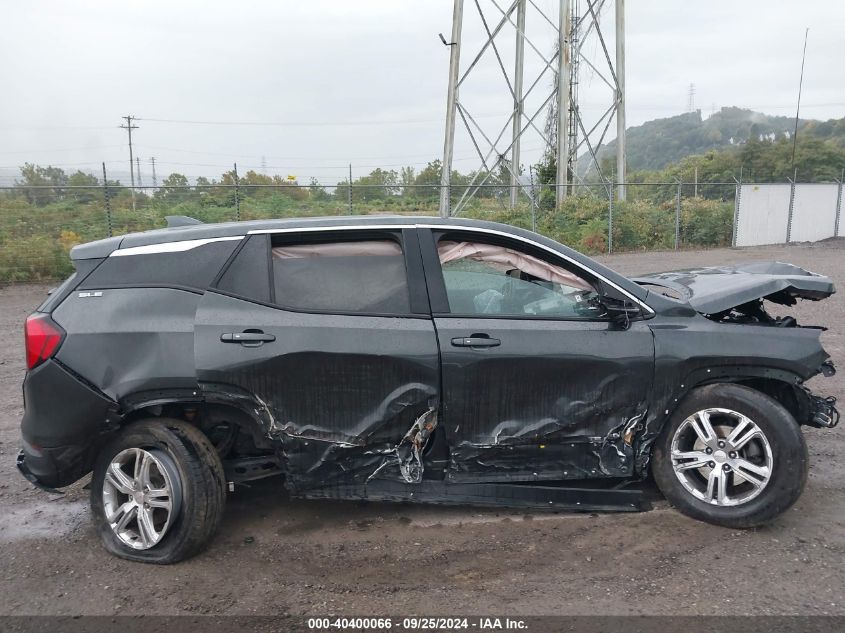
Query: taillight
43	337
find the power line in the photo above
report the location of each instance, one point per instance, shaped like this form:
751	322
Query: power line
62	165
296	123
56	127
308	158
322	167
798	108
582	106
64	149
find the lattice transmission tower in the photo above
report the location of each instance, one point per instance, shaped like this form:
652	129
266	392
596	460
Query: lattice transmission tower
502	26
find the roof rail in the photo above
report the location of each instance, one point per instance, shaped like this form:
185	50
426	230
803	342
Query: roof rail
181	220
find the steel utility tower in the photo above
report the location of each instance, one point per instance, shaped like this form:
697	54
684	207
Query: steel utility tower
565	132
691	98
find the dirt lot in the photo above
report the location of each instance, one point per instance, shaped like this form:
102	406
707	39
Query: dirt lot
274	556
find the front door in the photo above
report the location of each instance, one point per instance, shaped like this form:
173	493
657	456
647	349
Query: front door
331	339
536	385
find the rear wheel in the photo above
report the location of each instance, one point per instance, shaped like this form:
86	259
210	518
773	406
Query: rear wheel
158	491
732	456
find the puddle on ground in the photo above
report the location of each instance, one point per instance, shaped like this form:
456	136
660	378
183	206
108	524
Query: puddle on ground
42	519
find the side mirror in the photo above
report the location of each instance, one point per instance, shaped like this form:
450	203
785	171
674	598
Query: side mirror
620	311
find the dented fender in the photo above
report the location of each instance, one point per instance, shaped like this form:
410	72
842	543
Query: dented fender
692	350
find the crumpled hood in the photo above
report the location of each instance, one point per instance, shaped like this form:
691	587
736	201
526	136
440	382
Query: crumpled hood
719	288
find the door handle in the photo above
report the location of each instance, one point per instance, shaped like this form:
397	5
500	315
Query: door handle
249	338
476	341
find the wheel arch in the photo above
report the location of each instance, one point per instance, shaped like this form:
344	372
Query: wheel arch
782	385
221	403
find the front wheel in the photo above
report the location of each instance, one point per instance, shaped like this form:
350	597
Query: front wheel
732	456
158	491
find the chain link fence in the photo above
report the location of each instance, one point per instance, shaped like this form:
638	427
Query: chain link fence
39	225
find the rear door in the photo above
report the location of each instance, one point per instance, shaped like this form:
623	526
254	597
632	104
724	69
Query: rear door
329	334
536	385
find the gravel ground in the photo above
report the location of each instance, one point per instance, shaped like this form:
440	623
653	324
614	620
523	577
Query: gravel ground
275	556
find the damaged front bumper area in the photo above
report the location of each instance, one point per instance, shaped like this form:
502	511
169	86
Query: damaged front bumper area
821	411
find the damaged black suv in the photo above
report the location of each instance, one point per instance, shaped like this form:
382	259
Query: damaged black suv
405	358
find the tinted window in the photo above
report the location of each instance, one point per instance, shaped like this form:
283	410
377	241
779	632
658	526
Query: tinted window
487	279
193	268
249	273
366	276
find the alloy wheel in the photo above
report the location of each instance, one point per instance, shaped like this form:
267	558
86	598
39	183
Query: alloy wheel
721	457
142	495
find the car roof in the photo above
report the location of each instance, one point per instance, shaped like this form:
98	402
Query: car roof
198	231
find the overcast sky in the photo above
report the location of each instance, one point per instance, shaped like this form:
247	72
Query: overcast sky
362	81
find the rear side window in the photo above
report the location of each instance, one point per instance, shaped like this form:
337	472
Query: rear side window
194	268
363	276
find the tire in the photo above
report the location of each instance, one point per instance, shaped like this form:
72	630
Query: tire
184	472
751	504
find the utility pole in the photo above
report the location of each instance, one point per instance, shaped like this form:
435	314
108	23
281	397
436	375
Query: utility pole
349	191
564	27
107	201
129	127
517	101
451	108
153	163
237	193
620	99
138	165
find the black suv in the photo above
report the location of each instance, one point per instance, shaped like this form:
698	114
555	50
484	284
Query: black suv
405	358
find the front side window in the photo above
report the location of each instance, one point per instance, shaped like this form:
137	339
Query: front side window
488	279
366	276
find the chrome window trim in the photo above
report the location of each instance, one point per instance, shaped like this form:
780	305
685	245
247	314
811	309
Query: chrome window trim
446	227
340	227
170	247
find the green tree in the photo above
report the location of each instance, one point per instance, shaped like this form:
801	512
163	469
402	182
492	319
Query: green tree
316	191
174	187
379	184
545	175
428	181
41	185
81	179
407	176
